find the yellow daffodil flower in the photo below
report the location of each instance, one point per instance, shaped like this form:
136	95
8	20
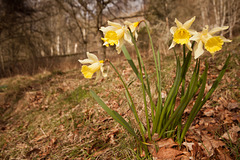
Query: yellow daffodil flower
96	66
181	33
207	39
116	34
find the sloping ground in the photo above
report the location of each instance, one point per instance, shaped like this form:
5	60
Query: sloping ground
52	115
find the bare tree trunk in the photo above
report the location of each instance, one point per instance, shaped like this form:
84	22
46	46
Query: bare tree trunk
233	12
204	7
220	14
2	62
223	11
58	45
215	12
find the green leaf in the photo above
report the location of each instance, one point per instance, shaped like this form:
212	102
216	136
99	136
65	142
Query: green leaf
130	61
199	102
172	94
192	114
177	114
216	82
114	115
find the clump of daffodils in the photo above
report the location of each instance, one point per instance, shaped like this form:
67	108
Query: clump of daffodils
95	66
162	119
117	34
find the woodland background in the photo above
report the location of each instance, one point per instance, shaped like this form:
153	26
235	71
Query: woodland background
39	35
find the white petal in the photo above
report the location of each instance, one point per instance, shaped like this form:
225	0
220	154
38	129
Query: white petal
217	29
118	50
225	39
188	24
119	46
103	74
127	23
198	49
179	24
172	45
95	66
92	57
173	29
114	24
136	35
189	45
98	74
104	30
120	33
195	37
205	30
105	43
86	61
192	31
128	38
108	28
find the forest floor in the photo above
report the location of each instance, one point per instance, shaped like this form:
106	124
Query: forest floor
53	116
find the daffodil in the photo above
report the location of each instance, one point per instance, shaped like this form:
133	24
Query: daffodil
116	34
182	33
133	27
207	39
95	66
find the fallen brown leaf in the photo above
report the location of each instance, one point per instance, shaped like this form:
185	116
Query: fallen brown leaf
222	155
163	143
236	117
208	112
232	106
210	144
188	145
232	134
167	154
167	143
223	101
206	121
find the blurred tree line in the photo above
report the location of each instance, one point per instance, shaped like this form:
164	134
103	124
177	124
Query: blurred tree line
32	31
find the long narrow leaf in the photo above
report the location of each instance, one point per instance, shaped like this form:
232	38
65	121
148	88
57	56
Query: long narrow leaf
171	95
144	88
132	104
215	84
198	105
132	64
114	115
189	93
130	61
186	99
200	96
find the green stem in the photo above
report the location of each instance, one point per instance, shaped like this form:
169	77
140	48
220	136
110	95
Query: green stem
183	80
141	66
158	69
133	106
